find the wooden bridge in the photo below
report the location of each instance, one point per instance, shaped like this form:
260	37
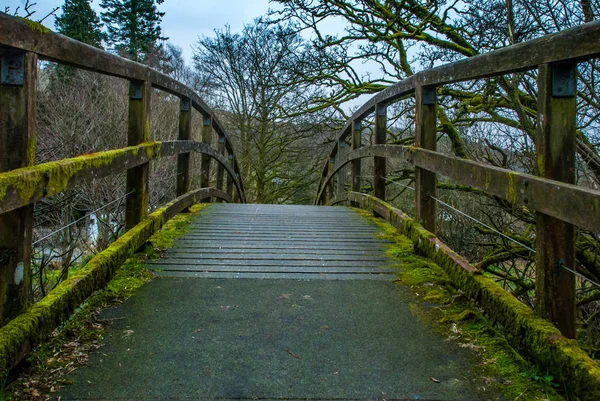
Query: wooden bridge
287	251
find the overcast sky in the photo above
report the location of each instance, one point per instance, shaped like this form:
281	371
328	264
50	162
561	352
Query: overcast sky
184	20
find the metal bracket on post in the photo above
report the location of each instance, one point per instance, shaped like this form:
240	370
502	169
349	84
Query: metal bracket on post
136	90
381	110
186	104
563	80
13	68
429	95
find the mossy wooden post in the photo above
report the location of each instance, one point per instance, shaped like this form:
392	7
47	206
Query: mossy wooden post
185	134
220	168
330	192
555	286
17	149
207	133
229	178
356	164
379	163
136	209
341	175
426	138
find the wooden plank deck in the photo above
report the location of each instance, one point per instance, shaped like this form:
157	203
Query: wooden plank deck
285	242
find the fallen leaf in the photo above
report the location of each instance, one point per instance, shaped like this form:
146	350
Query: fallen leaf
292	354
127	333
198	331
433	379
284	296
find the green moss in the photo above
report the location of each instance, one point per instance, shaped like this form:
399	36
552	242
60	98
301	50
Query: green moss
175	228
31	327
54	177
512	192
36	26
452	314
537	339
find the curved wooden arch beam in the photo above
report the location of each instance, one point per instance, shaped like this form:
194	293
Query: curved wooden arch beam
33	37
24	186
577	44
571	203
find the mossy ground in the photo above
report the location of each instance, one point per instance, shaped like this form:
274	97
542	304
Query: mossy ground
435	302
46	368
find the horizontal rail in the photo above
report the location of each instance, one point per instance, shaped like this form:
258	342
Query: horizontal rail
24	186
576	44
571	203
37	323
29	36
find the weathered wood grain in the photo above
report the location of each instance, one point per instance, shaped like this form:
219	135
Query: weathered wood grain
576	44
48	45
136	202
185	134
555	239
573	204
17	149
379	163
24	186
426	138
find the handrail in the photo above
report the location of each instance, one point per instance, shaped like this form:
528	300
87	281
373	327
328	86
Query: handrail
558	204
571	203
26	185
22	43
576	44
29	36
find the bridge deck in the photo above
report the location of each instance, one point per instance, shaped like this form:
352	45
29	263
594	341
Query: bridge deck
274	302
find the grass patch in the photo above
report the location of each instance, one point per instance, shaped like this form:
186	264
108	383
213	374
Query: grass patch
48	366
434	301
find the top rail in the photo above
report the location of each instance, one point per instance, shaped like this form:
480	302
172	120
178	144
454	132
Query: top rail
558	204
576	44
32	37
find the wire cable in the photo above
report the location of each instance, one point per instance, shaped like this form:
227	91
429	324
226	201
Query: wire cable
82	218
492	229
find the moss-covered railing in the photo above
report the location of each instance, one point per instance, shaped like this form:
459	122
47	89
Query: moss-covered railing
22	183
559	204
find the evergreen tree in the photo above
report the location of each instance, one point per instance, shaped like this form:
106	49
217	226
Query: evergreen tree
80	22
133	26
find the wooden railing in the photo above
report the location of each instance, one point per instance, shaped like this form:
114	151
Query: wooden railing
22	183
560	205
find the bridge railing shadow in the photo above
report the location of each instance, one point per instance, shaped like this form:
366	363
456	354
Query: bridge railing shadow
559	204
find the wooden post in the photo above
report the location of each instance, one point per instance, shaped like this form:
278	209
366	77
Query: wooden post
229	178
379	163
140	93
205	159
17	149
341	175
220	168
185	134
426	138
331	184
205	163
356	164
555	286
